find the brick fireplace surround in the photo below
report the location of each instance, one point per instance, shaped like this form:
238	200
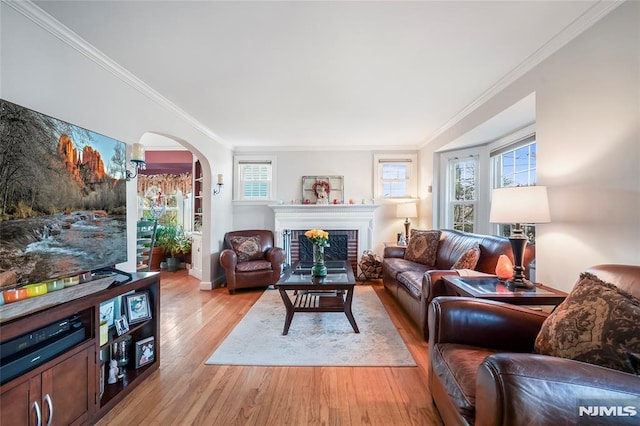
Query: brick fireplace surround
353	220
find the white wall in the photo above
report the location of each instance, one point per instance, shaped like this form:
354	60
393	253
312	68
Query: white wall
588	138
41	72
358	170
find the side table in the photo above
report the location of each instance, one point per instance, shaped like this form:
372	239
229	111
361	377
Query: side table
492	288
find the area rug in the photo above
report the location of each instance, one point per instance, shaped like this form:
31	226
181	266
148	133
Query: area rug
314	339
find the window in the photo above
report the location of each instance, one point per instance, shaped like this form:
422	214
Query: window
395	175
254	177
463	193
515	165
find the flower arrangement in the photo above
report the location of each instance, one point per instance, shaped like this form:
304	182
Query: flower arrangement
318	237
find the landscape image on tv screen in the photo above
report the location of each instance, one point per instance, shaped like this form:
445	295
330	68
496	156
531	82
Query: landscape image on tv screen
62	197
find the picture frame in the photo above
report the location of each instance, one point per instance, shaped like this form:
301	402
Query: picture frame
333	185
108	312
145	351
122	326
137	307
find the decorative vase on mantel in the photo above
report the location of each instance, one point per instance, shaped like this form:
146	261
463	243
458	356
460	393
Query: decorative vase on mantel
319	269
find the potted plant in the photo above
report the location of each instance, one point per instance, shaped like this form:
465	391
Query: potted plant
174	242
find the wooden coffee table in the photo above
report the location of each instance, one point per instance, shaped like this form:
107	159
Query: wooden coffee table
493	289
301	292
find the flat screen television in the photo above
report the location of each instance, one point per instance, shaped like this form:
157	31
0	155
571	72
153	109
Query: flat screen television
62	197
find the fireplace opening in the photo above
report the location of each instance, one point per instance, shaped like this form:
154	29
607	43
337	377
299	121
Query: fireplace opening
336	250
343	245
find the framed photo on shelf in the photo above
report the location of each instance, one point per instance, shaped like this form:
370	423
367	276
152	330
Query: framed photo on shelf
122	326
108	311
137	307
145	351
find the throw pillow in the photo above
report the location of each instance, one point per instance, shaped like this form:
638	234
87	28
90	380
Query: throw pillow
423	247
597	323
468	259
247	248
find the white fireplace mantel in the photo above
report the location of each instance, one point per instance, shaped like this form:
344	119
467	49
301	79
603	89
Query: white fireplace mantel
327	217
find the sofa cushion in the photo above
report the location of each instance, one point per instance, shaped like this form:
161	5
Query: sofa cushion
423	247
412	281
247	248
597	323
394	266
456	366
468	259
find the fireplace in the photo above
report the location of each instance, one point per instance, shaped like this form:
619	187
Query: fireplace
355	221
343	245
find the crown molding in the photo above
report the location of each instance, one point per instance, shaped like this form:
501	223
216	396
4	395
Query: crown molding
571	31
54	27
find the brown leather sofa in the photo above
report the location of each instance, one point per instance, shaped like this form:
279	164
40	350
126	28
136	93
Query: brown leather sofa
414	285
252	273
482	369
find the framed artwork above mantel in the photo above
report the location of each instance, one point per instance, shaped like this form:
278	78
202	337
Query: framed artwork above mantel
312	186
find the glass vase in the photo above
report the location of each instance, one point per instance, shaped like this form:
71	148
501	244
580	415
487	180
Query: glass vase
319	269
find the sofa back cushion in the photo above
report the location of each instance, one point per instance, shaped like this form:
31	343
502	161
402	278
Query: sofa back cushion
454	244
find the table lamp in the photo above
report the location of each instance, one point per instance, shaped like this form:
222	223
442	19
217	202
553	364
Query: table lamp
517	205
407	210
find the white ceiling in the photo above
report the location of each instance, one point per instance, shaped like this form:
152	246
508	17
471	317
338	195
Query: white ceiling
333	74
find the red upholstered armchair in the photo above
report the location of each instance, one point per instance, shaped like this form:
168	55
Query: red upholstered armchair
250	260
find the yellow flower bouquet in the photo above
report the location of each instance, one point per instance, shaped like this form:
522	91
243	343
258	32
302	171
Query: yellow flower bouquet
318	237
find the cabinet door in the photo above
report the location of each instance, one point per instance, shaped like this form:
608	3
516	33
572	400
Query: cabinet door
21	403
196	256
67	388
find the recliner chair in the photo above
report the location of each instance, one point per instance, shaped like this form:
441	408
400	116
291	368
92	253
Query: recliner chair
250	259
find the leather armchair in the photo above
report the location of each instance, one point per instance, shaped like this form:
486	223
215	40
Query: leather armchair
252	273
482	369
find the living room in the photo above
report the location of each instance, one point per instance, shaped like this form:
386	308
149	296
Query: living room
584	87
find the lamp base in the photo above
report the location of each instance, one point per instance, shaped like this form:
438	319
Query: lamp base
519	284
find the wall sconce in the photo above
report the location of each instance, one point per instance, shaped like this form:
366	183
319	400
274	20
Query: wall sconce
137	161
220	184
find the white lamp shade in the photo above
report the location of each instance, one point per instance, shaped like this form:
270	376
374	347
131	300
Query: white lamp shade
407	210
520	204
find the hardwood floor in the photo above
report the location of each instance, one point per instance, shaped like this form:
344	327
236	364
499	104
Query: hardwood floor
185	391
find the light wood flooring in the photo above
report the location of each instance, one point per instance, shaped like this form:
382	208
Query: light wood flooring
185	391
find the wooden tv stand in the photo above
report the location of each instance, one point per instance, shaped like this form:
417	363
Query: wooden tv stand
69	384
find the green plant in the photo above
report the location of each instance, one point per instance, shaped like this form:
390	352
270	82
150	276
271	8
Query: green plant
173	240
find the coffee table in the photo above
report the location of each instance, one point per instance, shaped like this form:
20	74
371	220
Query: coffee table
493	289
302	292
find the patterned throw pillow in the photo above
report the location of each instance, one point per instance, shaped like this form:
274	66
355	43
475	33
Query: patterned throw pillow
247	248
597	323
468	259
423	247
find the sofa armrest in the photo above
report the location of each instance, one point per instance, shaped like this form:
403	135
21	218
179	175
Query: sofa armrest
483	323
520	389
275	256
394	251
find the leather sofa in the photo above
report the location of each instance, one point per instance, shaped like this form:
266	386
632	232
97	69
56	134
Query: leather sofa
414	284
482	369
260	272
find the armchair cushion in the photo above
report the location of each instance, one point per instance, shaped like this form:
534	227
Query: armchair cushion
247	248
468	259
423	247
253	265
598	323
